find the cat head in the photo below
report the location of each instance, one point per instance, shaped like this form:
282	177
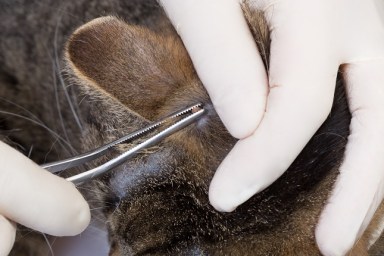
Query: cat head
132	77
157	203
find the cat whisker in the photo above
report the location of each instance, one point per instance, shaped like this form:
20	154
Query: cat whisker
55	73
83	98
58	103
331	133
99	219
32	116
50	149
57	65
84	187
19	146
23	235
49	245
99	201
41	124
30	151
98	208
116	208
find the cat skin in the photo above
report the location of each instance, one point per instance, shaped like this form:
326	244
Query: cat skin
126	72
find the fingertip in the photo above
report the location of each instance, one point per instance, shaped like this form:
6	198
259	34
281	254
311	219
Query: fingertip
335	232
222	190
229	189
226	196
74	216
222	202
81	217
7	236
330	243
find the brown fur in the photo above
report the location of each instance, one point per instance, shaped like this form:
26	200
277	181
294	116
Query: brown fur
157	203
105	53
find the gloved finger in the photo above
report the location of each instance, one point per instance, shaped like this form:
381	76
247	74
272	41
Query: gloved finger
7	235
226	59
360	186
302	79
37	199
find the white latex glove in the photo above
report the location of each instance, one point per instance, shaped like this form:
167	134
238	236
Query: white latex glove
275	119
37	199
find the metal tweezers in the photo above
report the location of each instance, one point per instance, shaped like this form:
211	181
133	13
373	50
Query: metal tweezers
173	123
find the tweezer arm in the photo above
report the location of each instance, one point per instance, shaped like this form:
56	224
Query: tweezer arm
58	166
93	173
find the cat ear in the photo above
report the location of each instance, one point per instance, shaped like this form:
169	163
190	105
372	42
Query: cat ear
131	64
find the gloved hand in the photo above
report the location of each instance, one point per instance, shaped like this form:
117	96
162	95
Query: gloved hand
37	199
275	117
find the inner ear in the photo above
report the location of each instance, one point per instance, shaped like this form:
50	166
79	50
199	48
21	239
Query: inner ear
129	63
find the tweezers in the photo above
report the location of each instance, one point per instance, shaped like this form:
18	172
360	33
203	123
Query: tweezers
169	124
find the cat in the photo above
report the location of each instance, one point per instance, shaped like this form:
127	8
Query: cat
126	72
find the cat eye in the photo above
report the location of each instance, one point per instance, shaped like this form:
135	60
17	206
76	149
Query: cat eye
156	132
